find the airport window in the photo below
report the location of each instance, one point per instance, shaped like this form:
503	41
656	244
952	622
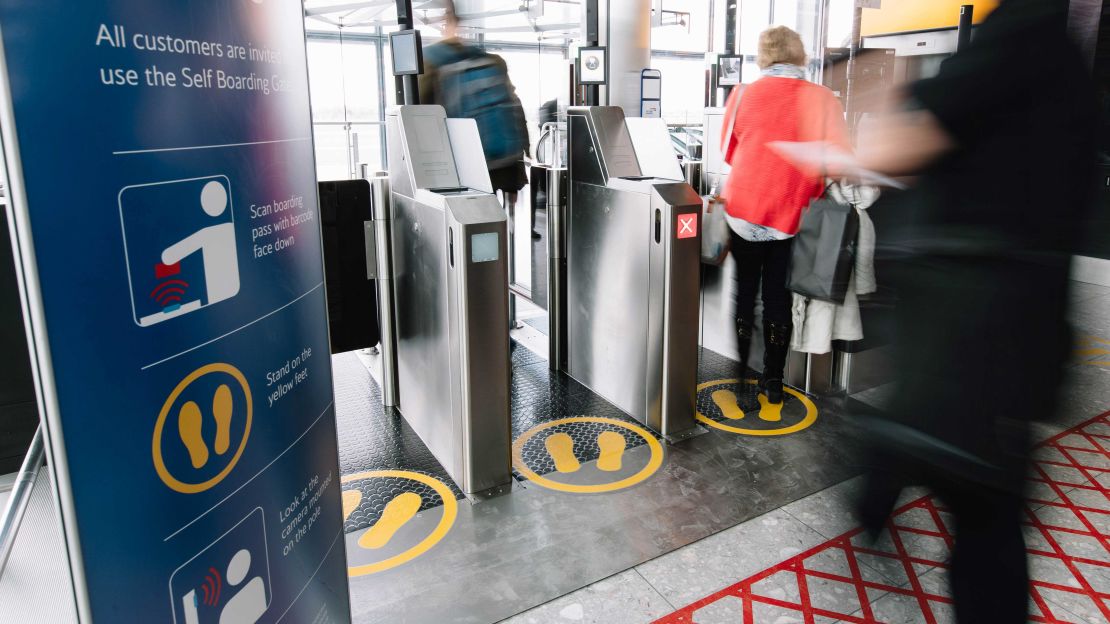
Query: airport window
346	104
683	86
349	94
537	75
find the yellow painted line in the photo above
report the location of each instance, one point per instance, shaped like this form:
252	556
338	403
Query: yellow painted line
769	412
175	483
809	419
612	445
396	514
727	403
450	512
351	500
190	424
560	447
654	462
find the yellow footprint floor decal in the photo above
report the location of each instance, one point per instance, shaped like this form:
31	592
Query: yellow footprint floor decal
560	447
397	512
726	402
770	412
351	499
612	445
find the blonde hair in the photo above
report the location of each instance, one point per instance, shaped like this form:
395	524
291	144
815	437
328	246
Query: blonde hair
779	44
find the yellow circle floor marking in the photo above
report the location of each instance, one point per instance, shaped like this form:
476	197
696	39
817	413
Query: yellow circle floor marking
1091	346
399	511
610	460
768	412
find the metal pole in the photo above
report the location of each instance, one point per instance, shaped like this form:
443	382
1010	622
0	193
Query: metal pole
853	52
821	50
381	95
408	91
382	208
732	25
557	258
593	37
963	33
20	497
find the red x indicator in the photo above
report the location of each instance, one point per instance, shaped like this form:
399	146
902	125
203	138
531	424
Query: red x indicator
687	225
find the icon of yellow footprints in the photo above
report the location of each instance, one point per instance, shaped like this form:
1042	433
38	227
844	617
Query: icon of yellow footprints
730	409
561	448
190	426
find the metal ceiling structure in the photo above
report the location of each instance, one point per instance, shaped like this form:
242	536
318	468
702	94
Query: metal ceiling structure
546	19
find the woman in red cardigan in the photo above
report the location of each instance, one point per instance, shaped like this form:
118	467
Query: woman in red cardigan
764	195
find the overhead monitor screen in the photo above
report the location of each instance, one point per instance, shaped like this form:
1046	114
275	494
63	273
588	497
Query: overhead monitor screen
407	56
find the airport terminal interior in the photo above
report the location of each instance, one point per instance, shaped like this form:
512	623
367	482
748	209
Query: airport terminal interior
540	411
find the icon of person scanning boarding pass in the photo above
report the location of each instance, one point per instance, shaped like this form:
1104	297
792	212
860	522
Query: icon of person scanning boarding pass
180	246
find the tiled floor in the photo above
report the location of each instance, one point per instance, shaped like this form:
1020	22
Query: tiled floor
901	577
755	565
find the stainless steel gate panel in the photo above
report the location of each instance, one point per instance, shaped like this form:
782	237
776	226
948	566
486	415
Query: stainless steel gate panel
607	296
674	295
451	299
632	276
479	321
423	331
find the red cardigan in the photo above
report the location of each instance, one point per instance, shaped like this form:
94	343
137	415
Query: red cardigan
763	188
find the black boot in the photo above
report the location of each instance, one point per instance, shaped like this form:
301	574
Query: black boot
776	341
744	331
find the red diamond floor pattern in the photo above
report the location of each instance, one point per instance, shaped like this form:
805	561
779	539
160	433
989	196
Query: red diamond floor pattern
1067	537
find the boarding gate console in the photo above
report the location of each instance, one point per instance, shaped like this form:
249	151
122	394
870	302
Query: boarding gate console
633	263
450	300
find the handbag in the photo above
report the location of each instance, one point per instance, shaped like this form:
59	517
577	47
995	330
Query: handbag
714	232
824	251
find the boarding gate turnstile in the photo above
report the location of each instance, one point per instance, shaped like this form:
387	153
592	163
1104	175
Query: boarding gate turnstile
450	303
632	271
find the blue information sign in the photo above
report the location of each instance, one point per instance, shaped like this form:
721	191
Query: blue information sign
160	166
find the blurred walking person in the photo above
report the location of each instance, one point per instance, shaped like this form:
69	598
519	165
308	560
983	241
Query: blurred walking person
1002	139
474	84
764	194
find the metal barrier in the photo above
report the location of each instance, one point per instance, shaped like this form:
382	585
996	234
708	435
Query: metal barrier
633	264
449	274
382	235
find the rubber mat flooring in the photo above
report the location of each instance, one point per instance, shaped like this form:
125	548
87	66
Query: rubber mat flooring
510	553
901	577
374	438
540	395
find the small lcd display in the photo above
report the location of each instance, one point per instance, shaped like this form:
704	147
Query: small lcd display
729	69
407	57
484	247
592	66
